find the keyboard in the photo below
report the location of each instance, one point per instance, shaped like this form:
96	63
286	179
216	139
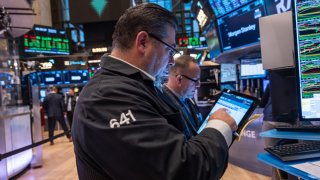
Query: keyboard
296	151
299	128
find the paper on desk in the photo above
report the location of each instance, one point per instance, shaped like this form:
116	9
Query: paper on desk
312	168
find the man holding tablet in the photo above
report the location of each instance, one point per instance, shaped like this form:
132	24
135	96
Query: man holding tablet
238	106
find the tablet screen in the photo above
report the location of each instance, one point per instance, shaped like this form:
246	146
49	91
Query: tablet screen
238	105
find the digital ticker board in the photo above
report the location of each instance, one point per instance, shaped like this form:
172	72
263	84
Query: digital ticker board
45	40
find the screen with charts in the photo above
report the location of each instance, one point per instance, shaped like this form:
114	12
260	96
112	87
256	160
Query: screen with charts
237	106
307	39
221	7
228	72
251	68
241	27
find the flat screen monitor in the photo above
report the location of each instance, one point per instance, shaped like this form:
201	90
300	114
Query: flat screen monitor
228	73
43	93
251	68
44	40
241	27
50	78
277	7
222	7
88	11
75	76
213	43
307	54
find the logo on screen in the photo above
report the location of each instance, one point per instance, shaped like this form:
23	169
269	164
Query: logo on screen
99	6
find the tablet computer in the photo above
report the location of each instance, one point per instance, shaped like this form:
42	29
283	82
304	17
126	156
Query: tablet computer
239	106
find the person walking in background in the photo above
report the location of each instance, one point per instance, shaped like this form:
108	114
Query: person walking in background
71	100
183	80
54	107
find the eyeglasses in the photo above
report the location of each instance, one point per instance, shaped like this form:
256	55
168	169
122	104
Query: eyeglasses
173	51
189	78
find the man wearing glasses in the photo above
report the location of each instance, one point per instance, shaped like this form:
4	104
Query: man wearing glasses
124	129
183	80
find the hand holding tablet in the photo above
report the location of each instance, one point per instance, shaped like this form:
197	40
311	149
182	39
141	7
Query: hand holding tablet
231	104
223	114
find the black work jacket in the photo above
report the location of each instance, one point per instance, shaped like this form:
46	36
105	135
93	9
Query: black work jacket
124	130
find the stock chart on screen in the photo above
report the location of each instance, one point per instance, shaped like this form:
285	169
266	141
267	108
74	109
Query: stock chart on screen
307	21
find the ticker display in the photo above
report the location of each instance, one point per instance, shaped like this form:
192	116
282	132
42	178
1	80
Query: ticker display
45	40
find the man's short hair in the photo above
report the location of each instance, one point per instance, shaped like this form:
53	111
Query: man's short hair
148	17
53	88
181	63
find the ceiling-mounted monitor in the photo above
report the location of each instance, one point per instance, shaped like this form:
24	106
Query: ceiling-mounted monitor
241	27
88	11
222	7
44	40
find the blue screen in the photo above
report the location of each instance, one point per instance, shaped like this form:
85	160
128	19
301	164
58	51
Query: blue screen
236	106
76	76
222	7
50	77
241	27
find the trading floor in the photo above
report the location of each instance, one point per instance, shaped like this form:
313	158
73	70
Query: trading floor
59	163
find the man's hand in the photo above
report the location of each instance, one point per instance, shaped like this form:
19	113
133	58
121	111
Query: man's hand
221	114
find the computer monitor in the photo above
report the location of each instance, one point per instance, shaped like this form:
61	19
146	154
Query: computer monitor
213	43
306	36
76	76
221	7
228	73
251	68
43	93
241	27
50	78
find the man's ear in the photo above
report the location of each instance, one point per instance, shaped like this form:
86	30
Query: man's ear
178	79
141	40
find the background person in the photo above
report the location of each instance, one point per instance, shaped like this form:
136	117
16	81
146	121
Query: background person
54	106
183	80
71	100
123	129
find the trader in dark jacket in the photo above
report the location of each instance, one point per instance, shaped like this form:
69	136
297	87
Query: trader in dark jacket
71	100
183	80
53	105
123	129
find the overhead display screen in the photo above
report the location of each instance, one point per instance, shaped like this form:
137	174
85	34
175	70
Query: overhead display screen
277	7
50	78
76	76
86	11
45	40
241	27
222	7
307	49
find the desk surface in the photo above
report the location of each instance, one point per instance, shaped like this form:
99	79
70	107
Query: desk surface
285	166
291	135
